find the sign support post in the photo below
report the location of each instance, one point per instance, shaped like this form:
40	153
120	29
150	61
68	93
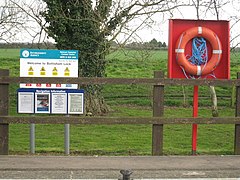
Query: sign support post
32	138
195	126
67	138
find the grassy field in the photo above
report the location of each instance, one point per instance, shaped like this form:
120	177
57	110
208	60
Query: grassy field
131	100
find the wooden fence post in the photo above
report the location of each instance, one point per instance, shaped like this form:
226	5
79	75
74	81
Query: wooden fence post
4	129
237	126
158	109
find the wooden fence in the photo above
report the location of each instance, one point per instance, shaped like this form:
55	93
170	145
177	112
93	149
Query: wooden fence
157	121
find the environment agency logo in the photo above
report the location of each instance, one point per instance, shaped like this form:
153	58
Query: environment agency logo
25	53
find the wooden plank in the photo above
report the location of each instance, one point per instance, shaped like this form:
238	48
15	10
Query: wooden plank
115	120
237	140
158	110
130	81
4	129
237	126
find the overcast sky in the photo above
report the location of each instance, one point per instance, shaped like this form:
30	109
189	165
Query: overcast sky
160	29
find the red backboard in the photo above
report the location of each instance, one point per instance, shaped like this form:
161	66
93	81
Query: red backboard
220	28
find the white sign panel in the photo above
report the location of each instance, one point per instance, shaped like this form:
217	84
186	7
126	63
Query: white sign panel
25	102
75	103
59	103
48	63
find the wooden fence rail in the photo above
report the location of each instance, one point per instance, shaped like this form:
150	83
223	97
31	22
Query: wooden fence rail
115	120
157	121
130	81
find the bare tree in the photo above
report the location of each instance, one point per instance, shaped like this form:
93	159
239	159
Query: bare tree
33	25
20	21
94	24
213	7
235	25
108	19
11	20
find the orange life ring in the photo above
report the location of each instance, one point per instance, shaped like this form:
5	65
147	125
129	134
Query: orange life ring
211	37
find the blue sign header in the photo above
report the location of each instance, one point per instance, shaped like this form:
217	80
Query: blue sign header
49	54
36	90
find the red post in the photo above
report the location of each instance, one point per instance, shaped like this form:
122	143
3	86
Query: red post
194	126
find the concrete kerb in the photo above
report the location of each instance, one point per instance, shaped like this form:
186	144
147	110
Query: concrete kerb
94	167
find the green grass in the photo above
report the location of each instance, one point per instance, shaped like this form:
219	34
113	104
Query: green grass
127	139
130	100
132	64
9	54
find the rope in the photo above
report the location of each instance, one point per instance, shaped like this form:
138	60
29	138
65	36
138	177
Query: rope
199	51
199	55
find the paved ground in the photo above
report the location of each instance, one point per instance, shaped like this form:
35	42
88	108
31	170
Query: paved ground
149	167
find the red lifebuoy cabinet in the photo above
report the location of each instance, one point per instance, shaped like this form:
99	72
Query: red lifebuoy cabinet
216	33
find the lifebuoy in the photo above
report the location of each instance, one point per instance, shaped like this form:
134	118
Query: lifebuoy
211	37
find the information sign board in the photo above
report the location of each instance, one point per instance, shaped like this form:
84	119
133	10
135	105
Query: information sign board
50	101
48	63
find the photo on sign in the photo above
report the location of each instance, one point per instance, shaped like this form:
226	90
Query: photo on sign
42	102
25	102
75	103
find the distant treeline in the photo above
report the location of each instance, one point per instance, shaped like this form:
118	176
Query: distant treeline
47	45
151	45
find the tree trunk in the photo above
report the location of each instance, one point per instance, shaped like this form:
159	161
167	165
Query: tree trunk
94	102
233	97
214	101
185	103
